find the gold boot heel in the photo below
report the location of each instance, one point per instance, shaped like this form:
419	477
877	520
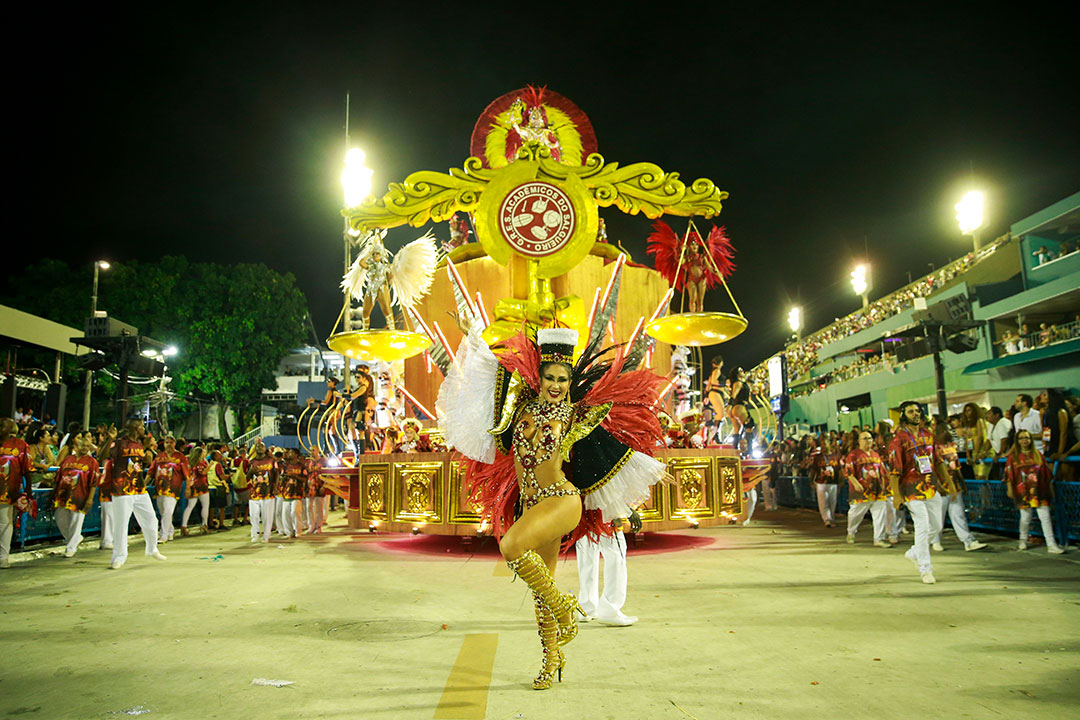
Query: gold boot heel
554	660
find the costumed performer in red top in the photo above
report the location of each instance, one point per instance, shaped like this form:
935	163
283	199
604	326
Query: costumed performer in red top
949	503
912	457
262	474
562	435
198	490
867	479
15	465
74	492
169	470
1027	479
127	470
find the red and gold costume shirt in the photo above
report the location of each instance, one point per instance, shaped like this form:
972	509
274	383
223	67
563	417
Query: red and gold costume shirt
74	480
169	472
867	468
15	464
127	463
105	482
262	478
949	468
294	477
825	469
1029	479
199	482
912	457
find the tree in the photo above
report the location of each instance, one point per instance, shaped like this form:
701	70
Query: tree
247	317
232	323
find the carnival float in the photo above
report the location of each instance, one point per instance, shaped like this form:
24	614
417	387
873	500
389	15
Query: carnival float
527	250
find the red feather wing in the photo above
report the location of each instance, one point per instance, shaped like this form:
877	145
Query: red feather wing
723	254
663	245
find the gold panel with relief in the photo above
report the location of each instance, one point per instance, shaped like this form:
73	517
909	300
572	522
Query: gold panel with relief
461	511
693	494
375	491
417	492
729	484
653	508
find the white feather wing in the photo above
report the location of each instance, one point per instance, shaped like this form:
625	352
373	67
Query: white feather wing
414	270
354	280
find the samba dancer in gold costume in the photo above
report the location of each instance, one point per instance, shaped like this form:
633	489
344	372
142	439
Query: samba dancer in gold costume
566	454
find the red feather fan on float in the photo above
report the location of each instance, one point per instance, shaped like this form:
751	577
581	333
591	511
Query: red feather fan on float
631	421
664	245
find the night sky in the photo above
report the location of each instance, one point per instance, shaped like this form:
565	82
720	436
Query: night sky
219	134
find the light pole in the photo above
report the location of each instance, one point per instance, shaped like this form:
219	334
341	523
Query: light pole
356	181
860	282
794	320
99	265
969	216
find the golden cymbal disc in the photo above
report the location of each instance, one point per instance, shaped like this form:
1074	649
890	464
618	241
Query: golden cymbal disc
385	345
703	328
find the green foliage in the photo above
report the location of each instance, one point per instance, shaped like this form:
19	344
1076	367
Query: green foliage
232	324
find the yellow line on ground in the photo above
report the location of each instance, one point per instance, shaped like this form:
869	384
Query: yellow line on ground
466	692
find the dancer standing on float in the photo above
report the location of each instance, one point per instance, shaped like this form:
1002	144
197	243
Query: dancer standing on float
560	434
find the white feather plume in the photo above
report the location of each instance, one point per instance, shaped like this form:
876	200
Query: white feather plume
414	270
354	280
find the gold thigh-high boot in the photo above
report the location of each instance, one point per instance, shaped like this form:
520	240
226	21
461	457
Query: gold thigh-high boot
530	567
554	660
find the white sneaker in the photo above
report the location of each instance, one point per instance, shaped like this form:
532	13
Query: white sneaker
69	553
881	544
974	545
116	564
618	620
581	618
107	546
928	578
893	539
1022	545
157	555
5	564
850	539
938	547
746	522
1054	550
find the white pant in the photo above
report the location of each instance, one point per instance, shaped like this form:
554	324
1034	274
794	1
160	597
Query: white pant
70	524
287	517
7	527
613	548
165	506
751	502
203	501
953	505
261	511
106	525
895	518
120	512
920	551
857	511
1044	519
826	500
768	493
322	509
279	520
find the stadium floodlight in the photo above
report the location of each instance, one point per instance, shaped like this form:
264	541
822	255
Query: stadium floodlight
794	319
356	178
970	217
858	280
